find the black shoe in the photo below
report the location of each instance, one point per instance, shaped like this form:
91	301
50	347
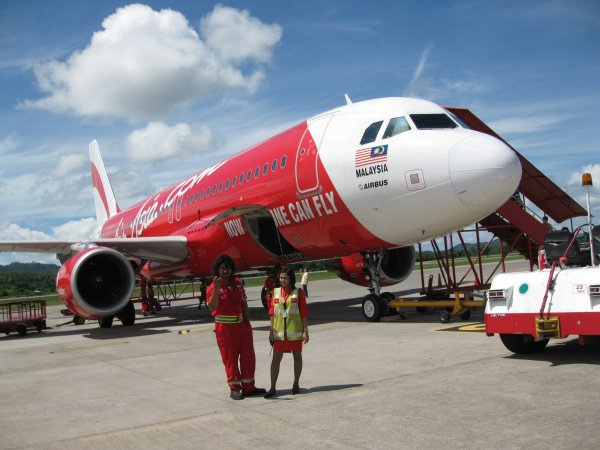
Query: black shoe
271	393
295	390
236	395
256	391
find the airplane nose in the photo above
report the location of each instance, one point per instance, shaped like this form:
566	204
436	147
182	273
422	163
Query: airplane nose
484	171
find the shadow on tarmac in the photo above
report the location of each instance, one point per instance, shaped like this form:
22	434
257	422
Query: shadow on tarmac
312	390
568	352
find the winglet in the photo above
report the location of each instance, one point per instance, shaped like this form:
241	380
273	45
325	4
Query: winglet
106	204
348	101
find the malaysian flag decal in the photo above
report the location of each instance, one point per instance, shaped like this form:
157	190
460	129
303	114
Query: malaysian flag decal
371	155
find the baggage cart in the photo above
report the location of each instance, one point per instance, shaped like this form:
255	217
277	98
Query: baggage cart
19	316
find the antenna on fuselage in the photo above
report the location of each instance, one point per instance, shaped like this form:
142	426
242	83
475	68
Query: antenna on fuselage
348	101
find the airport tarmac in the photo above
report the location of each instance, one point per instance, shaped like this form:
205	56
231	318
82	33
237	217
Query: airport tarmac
405	382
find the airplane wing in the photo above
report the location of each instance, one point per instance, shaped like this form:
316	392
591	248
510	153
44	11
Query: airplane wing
37	246
168	249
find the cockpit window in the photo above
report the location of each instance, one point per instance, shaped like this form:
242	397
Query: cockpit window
370	133
432	121
396	126
456	118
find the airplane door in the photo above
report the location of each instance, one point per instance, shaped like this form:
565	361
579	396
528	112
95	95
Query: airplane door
307	175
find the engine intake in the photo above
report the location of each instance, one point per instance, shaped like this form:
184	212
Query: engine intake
397	264
95	283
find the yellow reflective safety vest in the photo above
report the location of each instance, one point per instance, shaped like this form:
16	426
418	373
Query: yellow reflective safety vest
287	321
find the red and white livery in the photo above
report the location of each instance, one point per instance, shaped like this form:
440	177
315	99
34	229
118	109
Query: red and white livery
357	185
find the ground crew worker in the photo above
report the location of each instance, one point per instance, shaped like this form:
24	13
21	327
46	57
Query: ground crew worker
227	302
289	327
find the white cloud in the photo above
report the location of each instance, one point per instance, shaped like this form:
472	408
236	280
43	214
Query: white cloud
158	141
530	124
145	62
236	37
71	231
75	230
8	144
68	164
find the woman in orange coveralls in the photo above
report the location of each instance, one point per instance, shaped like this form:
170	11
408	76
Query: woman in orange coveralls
289	327
227	303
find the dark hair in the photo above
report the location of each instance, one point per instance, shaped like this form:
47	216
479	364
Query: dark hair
289	271
226	261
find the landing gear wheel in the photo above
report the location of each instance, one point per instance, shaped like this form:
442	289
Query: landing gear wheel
78	320
386	298
157	306
264	298
127	315
22	330
372	308
106	322
444	317
522	344
466	315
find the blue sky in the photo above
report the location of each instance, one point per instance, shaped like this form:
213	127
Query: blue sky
170	87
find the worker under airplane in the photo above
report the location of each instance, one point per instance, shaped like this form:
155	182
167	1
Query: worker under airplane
357	185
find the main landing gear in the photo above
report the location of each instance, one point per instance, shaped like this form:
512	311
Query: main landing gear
375	304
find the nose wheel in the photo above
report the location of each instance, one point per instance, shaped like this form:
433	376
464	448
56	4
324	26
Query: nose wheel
375	304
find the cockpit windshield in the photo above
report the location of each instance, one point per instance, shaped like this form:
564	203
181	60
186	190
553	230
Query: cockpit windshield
396	126
432	121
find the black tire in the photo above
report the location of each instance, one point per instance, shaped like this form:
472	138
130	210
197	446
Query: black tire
40	325
127	315
157	306
22	329
466	315
78	320
263	298
386	298
371	308
444	317
522	344
106	322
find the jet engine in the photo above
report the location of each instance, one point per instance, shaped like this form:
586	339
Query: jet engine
396	265
96	282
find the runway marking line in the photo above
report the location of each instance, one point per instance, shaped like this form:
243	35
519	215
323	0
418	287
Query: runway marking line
476	327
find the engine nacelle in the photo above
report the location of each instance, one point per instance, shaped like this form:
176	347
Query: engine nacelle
96	282
396	266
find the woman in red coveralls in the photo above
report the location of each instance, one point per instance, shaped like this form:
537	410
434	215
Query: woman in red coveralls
227	302
286	344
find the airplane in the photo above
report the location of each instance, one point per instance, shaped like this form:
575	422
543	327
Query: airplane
358	185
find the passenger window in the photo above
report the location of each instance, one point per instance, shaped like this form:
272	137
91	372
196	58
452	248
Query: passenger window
214	189
220	187
283	160
265	168
256	172
274	165
201	194
241	178
370	133
396	126
249	175
227	184
432	121
208	192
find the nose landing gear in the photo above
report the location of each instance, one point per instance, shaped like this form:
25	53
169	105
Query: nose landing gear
375	304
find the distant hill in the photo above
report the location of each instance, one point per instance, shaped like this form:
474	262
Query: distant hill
25	279
30	267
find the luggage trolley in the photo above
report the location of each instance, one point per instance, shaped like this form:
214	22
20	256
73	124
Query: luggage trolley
18	316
